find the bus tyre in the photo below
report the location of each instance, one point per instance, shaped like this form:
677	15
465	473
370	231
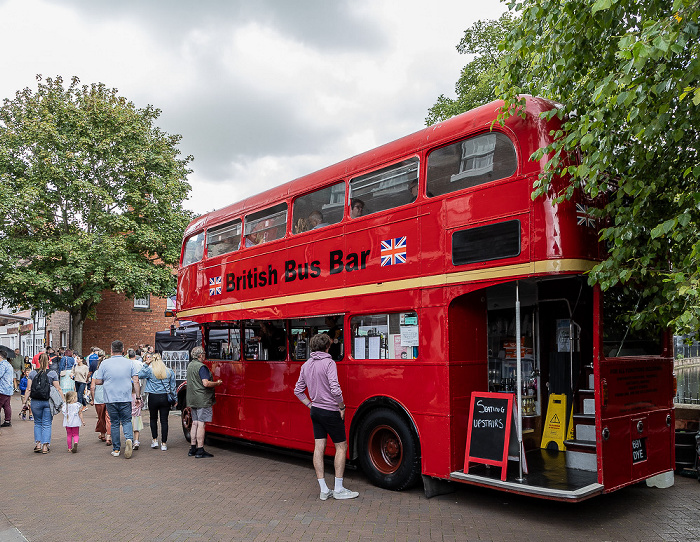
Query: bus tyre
186	418
388	450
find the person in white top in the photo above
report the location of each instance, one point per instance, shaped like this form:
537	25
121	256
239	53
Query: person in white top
72	420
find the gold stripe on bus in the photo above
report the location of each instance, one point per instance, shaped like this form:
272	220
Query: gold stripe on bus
544	266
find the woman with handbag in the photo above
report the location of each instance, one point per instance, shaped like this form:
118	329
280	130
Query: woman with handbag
39	384
160	386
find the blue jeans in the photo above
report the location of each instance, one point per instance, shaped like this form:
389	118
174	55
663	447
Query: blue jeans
120	414
42	421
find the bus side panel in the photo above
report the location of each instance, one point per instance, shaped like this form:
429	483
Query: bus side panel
464	379
229	397
638	416
488	202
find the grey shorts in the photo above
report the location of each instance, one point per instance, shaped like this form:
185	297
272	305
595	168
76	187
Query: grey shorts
202	414
18	374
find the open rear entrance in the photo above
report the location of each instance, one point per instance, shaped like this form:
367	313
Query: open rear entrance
539	352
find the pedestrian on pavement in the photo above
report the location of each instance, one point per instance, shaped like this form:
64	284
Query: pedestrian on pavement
38	388
79	374
35	359
26	403
319	375
72	420
116	374
65	367
200	399
159	381
54	361
136	421
7	374
17	367
103	426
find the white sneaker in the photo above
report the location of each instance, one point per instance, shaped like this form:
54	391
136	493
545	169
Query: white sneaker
154	443
136	444
325	494
163	447
345	493
128	448
115	453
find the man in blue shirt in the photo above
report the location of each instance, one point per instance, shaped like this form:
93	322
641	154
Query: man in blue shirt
116	374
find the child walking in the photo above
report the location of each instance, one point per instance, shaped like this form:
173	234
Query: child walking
136	422
72	420
26	402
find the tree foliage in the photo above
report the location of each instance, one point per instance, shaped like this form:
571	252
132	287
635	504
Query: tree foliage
91	196
479	77
627	75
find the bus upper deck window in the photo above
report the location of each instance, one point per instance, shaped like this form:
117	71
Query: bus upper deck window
319	209
194	249
224	239
470	162
386	188
266	225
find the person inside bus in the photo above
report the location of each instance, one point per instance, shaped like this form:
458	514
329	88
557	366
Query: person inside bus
413	189
256	236
273	340
315	220
336	335
356	207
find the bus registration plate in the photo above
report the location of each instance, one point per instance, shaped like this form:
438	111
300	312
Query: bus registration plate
639	450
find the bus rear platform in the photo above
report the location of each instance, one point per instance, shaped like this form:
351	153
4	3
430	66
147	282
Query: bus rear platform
548	477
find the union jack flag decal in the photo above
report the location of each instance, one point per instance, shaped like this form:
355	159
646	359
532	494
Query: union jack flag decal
583	217
215	285
393	251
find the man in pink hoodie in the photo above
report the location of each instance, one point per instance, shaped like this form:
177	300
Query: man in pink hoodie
319	376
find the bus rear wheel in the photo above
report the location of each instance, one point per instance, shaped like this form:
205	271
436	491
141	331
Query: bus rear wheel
388	450
186	418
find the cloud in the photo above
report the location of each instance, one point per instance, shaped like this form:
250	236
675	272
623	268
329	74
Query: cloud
262	92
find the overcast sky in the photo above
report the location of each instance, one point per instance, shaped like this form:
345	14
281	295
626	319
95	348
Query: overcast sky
262	91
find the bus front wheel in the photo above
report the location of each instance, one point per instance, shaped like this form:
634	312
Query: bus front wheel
388	450
186	418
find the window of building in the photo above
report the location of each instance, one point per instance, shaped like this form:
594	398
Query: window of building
142	302
266	225
470	162
194	249
51	338
64	339
224	239
318	209
302	329
387	188
385	336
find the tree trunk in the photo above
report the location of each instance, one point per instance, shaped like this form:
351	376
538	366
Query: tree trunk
77	321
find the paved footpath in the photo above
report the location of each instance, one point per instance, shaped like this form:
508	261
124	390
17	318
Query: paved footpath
249	494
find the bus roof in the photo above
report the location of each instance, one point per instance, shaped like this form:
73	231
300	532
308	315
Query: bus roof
478	118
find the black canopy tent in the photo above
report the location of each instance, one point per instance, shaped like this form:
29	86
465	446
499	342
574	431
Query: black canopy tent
175	347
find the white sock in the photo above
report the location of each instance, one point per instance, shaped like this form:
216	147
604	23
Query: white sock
322	484
338	484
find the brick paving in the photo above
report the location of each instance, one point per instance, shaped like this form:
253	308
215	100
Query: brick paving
250	494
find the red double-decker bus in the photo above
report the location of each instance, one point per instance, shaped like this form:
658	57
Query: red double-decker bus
439	280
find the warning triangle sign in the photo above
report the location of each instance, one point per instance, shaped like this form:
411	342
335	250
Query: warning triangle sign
555	419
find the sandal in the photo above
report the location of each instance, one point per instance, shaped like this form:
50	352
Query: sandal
100	437
37	449
45	450
108	442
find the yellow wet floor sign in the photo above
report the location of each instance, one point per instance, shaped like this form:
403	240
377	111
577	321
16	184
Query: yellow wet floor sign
554	431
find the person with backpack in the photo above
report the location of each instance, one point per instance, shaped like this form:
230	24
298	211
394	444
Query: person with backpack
39	384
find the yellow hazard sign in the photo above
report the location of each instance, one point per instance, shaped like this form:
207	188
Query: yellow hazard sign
554	430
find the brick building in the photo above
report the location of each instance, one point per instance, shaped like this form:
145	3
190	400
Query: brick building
132	321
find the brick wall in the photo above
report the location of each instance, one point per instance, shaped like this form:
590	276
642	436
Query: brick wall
118	319
57	323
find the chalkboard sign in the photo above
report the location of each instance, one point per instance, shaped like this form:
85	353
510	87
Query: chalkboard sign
488	437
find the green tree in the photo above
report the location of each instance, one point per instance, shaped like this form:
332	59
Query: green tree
91	196
480	76
627	75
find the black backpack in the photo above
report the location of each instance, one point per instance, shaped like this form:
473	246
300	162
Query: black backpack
40	387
